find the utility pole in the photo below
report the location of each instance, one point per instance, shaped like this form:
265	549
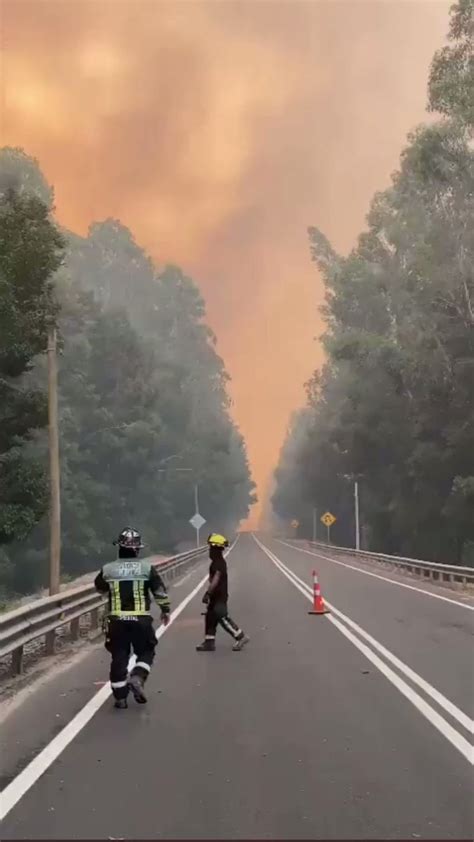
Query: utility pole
356	508
54	475
315	524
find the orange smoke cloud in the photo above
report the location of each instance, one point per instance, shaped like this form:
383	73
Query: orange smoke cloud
218	131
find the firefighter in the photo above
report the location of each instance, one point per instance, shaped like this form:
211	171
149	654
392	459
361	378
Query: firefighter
216	598
130	583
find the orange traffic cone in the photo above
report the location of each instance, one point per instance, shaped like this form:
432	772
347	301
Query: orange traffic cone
319	606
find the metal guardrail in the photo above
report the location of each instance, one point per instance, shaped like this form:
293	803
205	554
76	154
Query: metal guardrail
43	617
426	569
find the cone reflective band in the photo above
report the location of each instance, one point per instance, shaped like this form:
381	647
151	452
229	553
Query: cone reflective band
318	602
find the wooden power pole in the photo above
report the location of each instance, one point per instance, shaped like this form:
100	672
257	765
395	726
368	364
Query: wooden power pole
54	475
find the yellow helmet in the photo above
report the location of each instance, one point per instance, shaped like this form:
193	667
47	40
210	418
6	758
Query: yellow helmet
216	540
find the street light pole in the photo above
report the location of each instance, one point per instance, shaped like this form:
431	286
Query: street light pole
356	508
54	471
196	489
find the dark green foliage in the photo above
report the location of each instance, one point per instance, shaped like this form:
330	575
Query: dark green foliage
394	406
451	84
31	250
139	382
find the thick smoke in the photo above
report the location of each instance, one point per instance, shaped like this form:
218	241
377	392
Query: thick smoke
218	132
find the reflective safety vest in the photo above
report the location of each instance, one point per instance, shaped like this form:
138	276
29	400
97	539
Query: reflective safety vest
130	584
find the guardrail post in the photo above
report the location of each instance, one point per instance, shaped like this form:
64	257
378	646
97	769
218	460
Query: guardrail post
75	628
17	661
50	642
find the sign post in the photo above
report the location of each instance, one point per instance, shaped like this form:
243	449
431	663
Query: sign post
315	525
357	521
198	522
197	519
328	519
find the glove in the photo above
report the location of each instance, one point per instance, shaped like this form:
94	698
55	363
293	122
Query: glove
165	618
206	598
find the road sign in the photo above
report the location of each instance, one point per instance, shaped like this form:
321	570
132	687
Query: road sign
295	524
328	519
197	521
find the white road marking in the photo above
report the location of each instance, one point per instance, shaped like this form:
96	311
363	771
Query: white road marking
444	727
20	785
378	576
438	697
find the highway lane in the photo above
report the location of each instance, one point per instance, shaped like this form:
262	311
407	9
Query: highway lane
433	636
59	694
298	736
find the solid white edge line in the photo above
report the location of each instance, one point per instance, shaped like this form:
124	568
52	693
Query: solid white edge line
424	685
20	785
436	695
377	576
447	730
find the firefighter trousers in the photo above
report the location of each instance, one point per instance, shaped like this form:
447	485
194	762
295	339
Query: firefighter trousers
122	638
217	614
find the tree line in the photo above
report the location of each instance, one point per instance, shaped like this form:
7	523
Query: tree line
142	391
393	406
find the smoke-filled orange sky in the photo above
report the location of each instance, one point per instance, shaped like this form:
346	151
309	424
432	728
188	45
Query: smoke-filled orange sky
218	131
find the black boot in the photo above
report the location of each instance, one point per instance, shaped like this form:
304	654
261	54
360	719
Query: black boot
121	704
206	646
136	685
240	643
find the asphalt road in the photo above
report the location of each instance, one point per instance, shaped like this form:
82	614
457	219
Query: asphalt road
301	735
433	636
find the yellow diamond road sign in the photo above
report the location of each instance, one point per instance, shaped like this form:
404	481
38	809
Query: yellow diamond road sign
295	524
328	519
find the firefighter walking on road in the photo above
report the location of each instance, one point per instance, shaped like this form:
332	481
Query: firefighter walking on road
130	583
216	598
